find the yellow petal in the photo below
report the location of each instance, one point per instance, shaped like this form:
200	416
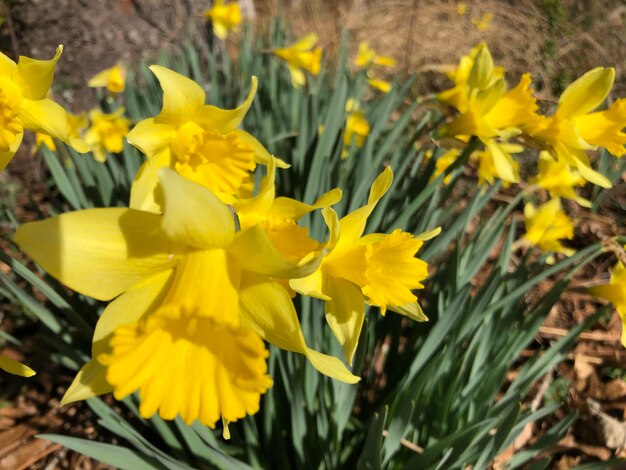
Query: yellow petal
225	120
345	313
192	214
182	97
145	193
482	71
45	116
150	137
307	42
266	308
298	77
88	383
6	157
311	285
584	168
353	224
35	76
98	252
261	155
586	93
133	304
255	252
7	66
411	310
14	367
285	207
424	236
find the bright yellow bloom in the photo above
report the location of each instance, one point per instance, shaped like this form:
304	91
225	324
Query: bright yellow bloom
199	141
604	128
368	57
303	55
357	127
378	267
113	79
563	133
224	16
615	292
547	225
496	161
23	104
483	23
193	300
44	139
443	163
77	124
556	177
106	133
15	368
381	85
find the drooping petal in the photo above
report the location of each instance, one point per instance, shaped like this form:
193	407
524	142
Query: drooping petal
311	285
353	224
182	97
192	214
261	155
151	137
88	383
98	252
16	368
411	310
132	305
45	116
190	366
225	120
345	313
586	93
35	76
7	66
267	309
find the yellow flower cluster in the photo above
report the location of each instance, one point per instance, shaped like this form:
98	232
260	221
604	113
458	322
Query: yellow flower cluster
199	270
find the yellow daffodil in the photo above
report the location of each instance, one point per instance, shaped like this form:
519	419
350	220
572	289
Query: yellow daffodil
604	128
193	301
443	163
475	72
368	57
615	292
224	16
381	85
547	225
357	128
563	133
23	104
106	133
556	177
199	141
301	56
113	79
483	22
496	161
14	367
378	267
43	139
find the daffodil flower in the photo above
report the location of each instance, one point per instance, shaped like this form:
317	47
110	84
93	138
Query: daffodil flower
23	104
106	133
16	368
192	300
496	161
547	225
201	142
379	268
381	85
559	179
301	56
564	132
224	16
357	128
368	57
615	292
113	79
604	128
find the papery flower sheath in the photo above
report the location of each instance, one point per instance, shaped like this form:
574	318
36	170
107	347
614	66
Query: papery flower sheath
192	300
378	268
201	142
23	104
